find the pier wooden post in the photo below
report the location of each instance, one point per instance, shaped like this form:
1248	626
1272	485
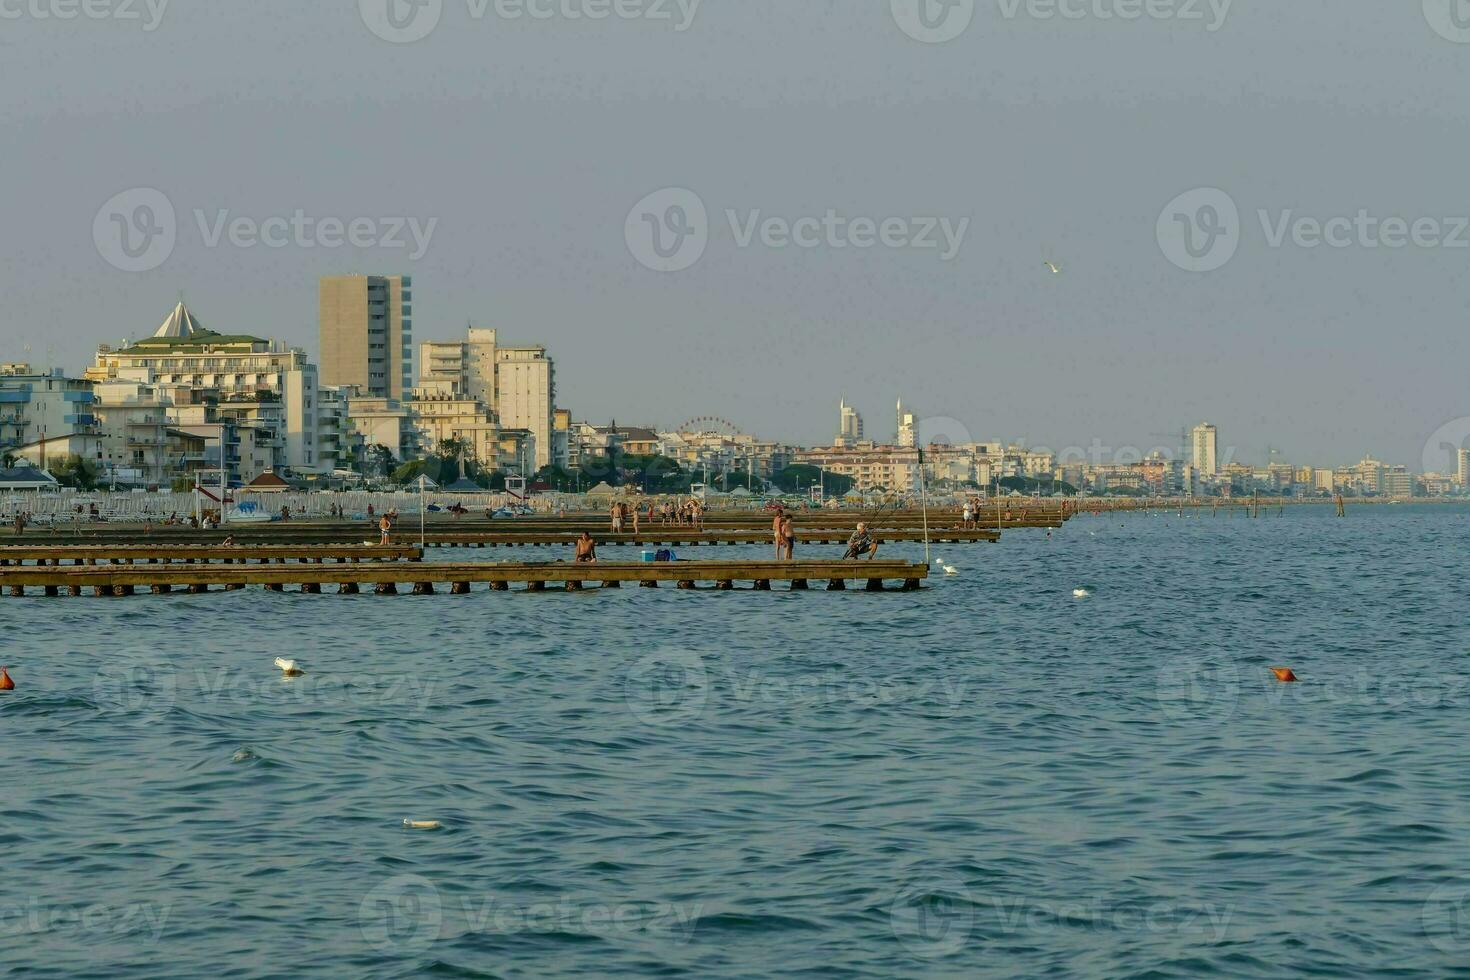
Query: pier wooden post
912	585
763	585
535	586
614	584
499	586
162	589
650	584
348	588
686	585
423	588
460	588
573	585
725	585
312	588
836	585
385	588
51	592
275	587
875	585
799	585
18	591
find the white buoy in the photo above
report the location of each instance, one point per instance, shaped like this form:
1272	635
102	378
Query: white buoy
288	667
421	824
1080	593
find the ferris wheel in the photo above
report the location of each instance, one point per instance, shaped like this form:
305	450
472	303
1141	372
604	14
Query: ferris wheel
710	423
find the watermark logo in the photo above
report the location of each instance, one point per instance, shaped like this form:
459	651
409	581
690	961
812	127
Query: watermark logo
136	230
149	13
668	230
1442	450
137	685
1445	919
1199	231
1449	18
401	21
668	687
402	915
933	21
1198	689
933	916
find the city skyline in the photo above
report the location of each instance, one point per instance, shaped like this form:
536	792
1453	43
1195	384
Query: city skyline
471	367
1278	346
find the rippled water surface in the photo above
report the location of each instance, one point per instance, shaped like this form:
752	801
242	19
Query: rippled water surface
993	777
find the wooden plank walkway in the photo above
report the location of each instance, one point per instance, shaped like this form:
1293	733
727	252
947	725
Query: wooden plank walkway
350	536
423	577
153	554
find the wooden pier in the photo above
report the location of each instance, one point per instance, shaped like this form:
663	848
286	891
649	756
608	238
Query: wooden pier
424	578
113	554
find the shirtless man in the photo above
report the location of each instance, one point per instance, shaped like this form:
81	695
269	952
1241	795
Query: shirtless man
788	537
386	527
586	549
776	531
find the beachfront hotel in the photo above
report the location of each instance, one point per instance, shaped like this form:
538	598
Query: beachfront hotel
187	374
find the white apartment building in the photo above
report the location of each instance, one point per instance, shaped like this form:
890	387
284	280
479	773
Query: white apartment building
517	384
44	415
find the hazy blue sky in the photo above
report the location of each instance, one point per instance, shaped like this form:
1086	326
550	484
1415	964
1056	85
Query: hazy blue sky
531	140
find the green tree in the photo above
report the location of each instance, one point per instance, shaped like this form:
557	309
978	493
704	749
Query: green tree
75	472
801	478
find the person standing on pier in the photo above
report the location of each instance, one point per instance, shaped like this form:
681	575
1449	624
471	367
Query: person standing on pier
788	538
776	532
385	525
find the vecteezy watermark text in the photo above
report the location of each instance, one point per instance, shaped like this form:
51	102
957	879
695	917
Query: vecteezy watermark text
673	687
148	13
1201	230
137	230
98	919
406	913
669	230
407	21
938	21
935	915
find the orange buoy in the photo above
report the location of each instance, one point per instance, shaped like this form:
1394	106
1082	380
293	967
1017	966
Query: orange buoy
1284	675
6	684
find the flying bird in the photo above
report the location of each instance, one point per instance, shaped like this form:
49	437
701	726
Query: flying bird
1055	269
